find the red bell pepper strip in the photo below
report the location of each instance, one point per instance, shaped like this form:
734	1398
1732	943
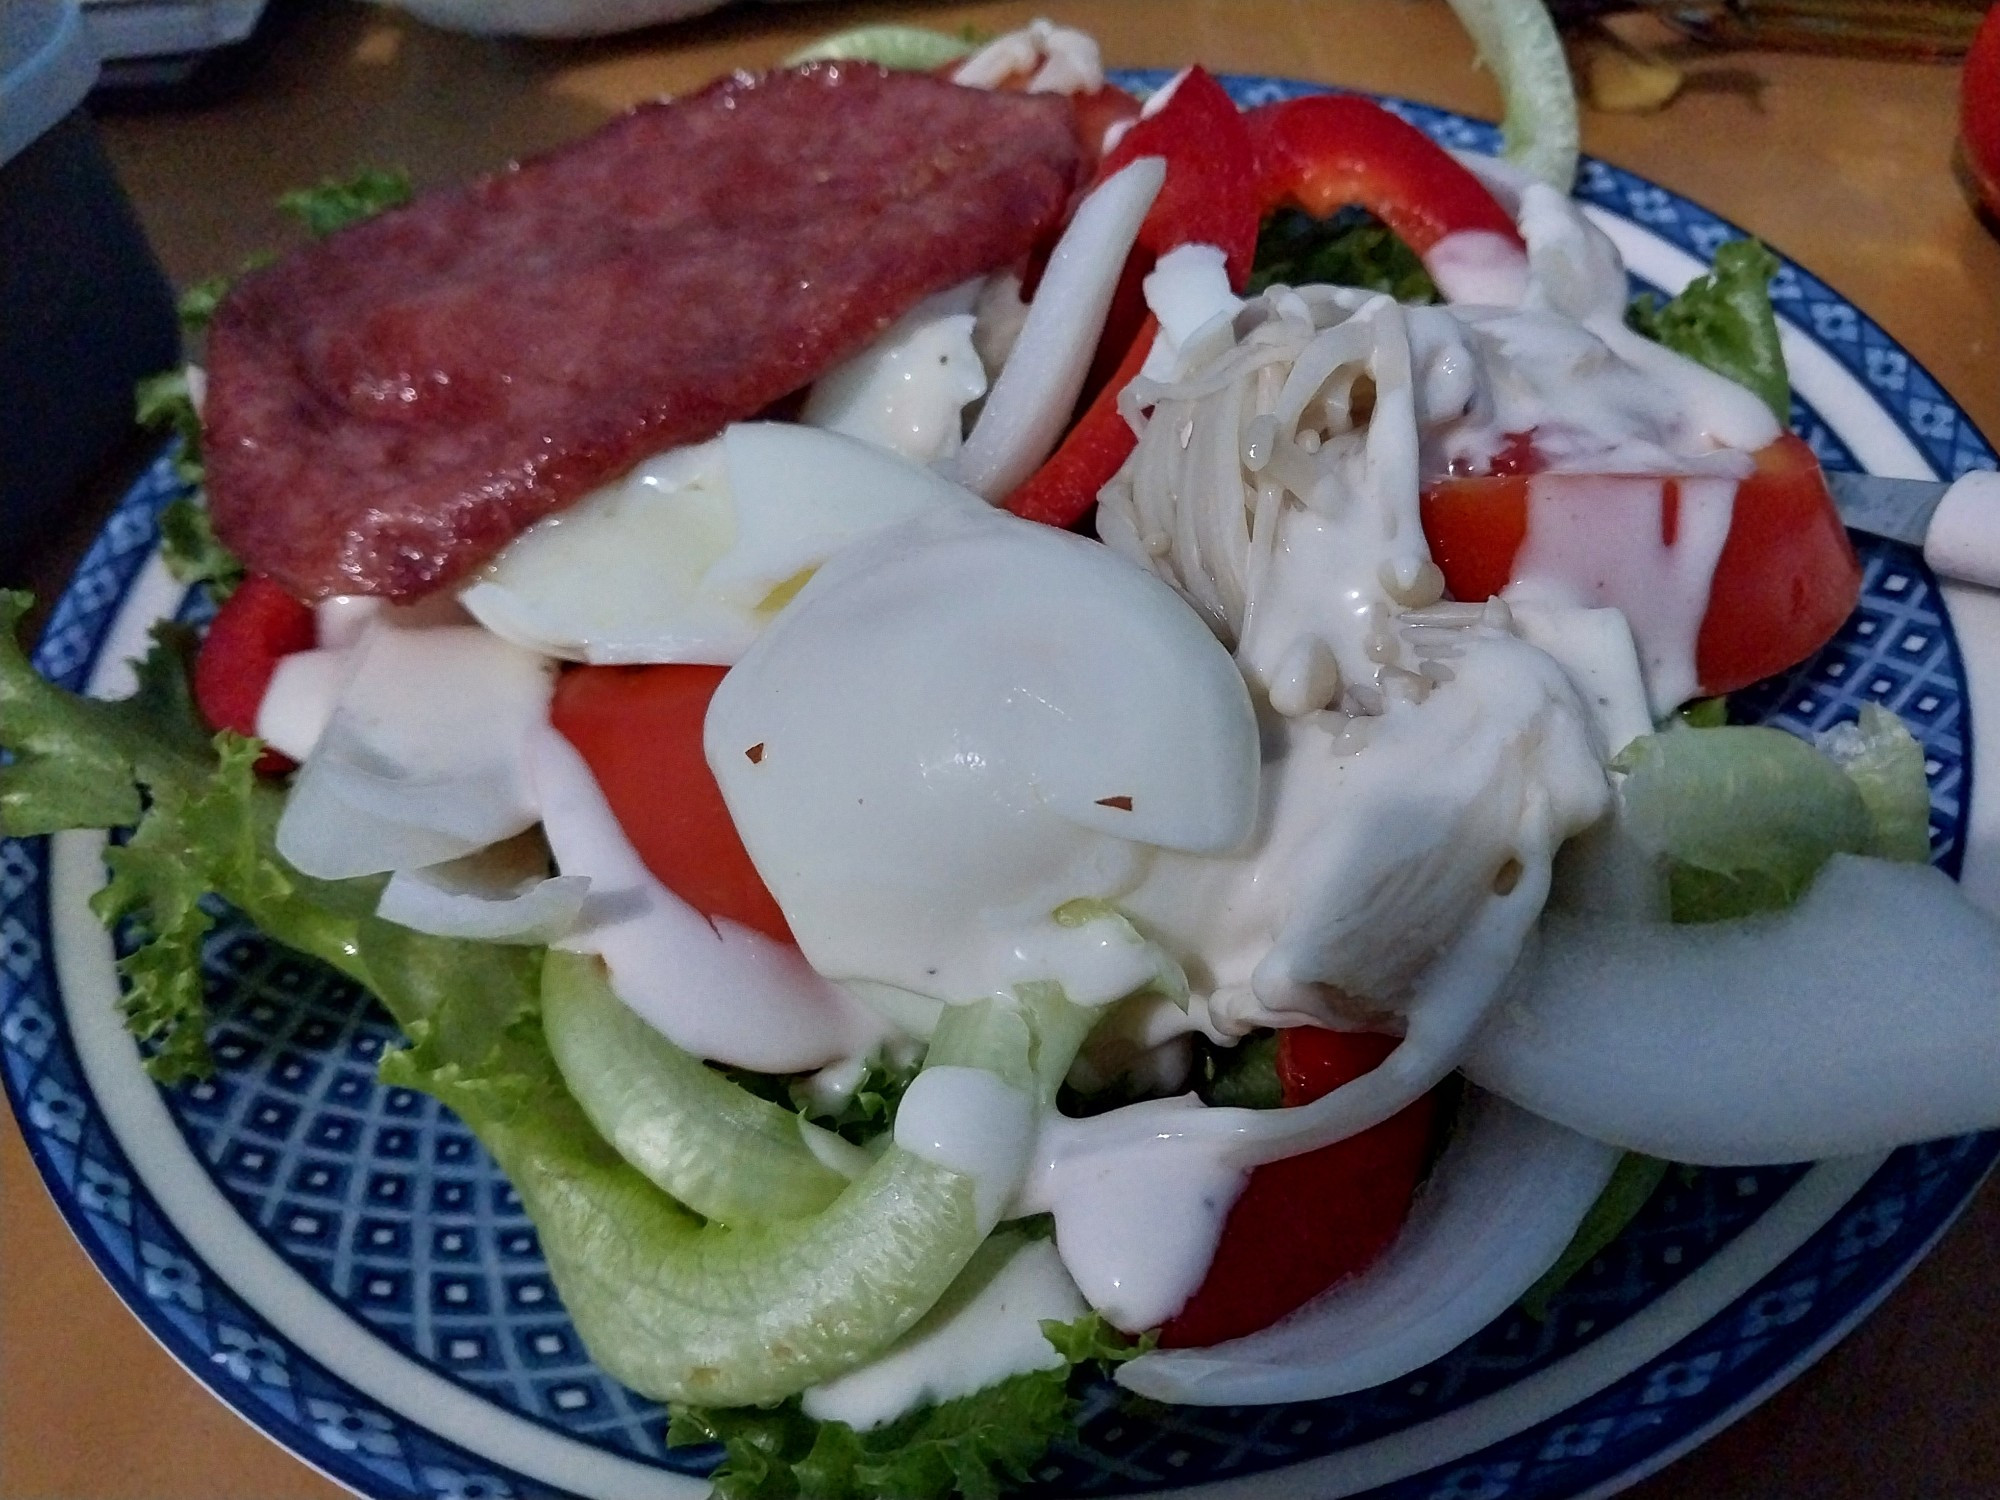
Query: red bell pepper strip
1329	151
1209	198
254	628
1308	1221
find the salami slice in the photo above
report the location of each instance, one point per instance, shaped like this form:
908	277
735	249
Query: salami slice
387	408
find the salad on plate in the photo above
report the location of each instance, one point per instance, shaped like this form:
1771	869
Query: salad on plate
1131	773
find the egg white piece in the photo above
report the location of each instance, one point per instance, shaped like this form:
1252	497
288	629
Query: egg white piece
690	556
908	390
423	759
972	681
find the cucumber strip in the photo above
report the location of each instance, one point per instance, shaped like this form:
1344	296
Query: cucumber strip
717	1148
915	48
717	1316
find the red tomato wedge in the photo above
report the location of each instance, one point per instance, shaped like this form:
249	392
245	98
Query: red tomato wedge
1786	580
254	628
639	731
1304	1223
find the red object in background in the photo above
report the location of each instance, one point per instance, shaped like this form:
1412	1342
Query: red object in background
639	731
1979	116
1786	580
1308	1221
1327	152
256	625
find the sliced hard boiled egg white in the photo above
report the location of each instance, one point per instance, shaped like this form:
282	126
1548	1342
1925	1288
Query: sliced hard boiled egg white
961	725
802	494
688	557
908	390
423	758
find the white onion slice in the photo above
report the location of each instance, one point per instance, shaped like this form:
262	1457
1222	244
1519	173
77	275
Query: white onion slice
298	702
499	895
1865	1017
716	988
423	759
1501	1206
1031	401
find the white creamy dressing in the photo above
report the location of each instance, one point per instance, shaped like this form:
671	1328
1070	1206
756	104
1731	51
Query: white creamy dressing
1138	1210
1648	542
971	1340
974	1123
714	987
1478	267
908	390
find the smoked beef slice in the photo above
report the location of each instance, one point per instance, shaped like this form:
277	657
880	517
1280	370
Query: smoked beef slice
388	407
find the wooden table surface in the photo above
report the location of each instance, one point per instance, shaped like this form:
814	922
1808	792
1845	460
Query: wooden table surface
1842	164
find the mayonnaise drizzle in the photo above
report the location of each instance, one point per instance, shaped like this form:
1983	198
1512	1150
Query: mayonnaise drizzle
961	1346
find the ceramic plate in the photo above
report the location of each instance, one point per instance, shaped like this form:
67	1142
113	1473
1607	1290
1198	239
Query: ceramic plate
342	1264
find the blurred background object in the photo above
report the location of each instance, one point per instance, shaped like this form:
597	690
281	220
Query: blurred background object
84	309
1922	30
1978	156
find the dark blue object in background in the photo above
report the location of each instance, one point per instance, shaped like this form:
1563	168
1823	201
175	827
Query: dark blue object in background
84	309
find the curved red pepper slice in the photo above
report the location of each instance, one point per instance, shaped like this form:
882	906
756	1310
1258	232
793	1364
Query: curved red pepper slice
1326	152
1211	193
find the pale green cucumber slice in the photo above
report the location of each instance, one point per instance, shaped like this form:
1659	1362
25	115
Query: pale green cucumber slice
717	1316
916	48
717	1148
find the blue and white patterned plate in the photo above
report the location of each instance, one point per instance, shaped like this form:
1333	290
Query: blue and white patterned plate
342	1264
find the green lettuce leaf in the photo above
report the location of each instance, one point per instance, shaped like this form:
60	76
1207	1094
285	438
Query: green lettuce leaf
340	201
1632	1183
1886	765
971	1446
1353	248
867	1113
1724	320
1745	816
191	552
204	826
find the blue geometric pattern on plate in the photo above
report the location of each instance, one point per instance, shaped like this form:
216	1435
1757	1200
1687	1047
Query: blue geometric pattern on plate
388	1206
